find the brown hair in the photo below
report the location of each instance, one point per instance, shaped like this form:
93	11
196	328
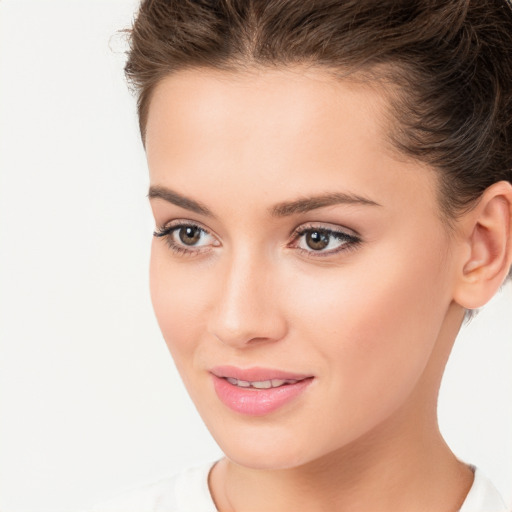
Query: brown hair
451	61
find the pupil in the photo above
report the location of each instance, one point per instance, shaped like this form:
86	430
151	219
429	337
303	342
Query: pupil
317	240
189	235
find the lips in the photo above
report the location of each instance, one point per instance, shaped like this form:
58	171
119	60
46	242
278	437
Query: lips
257	391
260	384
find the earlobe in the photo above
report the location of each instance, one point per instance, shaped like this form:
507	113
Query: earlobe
488	247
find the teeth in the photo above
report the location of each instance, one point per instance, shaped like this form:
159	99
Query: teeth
236	382
260	384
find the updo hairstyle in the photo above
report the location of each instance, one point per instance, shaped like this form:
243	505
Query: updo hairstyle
445	64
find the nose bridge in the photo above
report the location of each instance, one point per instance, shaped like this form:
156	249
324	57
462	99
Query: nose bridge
247	308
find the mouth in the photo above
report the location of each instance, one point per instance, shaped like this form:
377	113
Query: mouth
257	391
261	384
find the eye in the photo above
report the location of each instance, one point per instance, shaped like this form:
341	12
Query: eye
189	235
322	241
186	238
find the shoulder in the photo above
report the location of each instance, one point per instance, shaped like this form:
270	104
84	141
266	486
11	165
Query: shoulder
183	492
483	496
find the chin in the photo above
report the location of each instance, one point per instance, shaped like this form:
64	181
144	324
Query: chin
265	449
276	459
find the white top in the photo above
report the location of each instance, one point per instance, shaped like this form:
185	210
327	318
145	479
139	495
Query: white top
188	492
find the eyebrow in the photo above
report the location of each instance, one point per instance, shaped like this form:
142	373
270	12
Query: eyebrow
312	203
284	209
173	197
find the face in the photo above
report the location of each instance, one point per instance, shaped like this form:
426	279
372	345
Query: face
300	271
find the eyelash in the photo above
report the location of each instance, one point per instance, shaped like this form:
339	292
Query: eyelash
350	241
166	233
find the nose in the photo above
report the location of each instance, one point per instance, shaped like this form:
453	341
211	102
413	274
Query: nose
248	308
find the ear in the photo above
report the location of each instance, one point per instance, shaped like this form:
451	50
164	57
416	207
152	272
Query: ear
486	249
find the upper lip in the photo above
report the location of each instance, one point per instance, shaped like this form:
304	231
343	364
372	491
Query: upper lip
256	374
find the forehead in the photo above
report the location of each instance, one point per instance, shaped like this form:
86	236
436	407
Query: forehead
274	130
203	104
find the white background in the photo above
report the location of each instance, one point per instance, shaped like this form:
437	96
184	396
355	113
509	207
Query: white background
90	402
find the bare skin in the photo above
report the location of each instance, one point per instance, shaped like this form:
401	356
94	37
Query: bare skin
371	317
394	467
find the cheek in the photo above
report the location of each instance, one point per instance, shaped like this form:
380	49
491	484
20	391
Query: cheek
374	323
176	294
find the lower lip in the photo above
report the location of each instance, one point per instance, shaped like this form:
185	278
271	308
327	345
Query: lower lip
257	402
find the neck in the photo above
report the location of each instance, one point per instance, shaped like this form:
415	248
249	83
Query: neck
409	473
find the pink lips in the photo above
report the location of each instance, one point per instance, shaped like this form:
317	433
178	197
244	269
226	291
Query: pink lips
252	401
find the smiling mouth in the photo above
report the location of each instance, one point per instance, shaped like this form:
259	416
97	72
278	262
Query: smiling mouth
262	384
258	391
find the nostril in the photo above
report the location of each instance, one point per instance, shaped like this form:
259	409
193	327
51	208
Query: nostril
253	332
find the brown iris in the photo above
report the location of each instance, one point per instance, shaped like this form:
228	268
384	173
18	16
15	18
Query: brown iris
317	240
189	235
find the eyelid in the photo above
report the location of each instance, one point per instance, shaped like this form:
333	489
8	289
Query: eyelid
325	226
178	223
167	230
351	238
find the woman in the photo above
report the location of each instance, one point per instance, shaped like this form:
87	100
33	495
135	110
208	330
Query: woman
331	184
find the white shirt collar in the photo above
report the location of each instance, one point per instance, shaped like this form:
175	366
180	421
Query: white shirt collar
483	496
